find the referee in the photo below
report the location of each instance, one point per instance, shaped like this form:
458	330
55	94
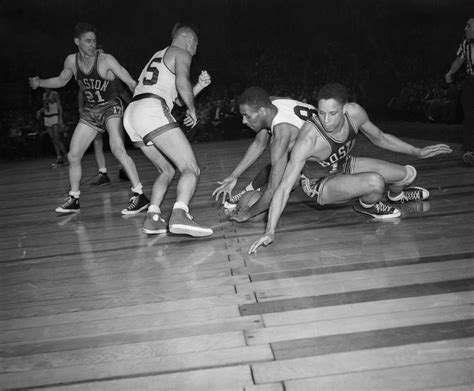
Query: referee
465	53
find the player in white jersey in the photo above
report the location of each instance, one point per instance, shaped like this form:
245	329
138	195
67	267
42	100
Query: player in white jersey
275	120
152	128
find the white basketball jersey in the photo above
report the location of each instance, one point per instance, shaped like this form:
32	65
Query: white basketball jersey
157	79
292	112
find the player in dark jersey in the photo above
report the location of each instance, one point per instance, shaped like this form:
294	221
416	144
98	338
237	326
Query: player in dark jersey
103	109
332	176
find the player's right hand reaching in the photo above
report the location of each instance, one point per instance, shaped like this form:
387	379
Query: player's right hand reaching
225	188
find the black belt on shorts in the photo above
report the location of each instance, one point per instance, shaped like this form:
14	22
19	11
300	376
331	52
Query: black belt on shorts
146	95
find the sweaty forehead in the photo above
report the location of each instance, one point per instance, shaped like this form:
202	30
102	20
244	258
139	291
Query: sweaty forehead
246	110
329	105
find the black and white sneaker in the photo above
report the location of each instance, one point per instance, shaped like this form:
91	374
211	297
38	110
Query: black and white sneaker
378	211
137	203
71	205
408	194
102	180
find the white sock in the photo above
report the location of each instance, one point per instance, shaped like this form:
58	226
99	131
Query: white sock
75	194
154	209
181	205
103	170
138	189
367	206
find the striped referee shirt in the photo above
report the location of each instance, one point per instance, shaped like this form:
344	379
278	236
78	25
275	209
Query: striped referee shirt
465	52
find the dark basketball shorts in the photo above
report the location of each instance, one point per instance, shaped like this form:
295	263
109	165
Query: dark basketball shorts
313	187
96	117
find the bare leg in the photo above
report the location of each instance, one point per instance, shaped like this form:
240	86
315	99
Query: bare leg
81	139
99	152
166	174
176	147
117	146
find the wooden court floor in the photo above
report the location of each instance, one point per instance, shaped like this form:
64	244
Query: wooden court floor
339	302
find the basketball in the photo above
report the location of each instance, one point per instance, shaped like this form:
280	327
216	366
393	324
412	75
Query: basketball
247	200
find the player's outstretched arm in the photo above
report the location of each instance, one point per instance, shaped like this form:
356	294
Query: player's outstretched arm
59	81
391	142
299	154
254	151
279	160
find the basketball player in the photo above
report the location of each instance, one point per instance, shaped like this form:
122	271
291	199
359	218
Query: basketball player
276	121
150	125
95	73
331	175
52	112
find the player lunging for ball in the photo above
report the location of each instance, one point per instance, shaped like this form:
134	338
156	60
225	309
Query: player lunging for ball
276	121
332	176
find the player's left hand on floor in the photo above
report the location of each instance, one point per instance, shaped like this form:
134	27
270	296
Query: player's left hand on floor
433	150
264	240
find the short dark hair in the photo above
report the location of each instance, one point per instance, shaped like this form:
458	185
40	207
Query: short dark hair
255	97
334	91
179	28
83	28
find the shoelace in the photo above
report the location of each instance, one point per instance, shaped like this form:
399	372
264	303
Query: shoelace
236	197
68	202
381	207
189	216
414	195
133	202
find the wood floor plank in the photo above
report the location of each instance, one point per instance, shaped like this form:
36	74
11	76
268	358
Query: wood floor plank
365	360
127	336
367	308
139	322
362	284
230	378
142	367
23	320
442	374
356	324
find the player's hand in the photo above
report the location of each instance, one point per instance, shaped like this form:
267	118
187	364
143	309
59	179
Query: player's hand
204	79
448	78
264	240
190	120
225	188
433	150
34	82
241	215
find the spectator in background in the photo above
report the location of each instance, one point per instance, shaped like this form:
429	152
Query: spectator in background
465	55
52	112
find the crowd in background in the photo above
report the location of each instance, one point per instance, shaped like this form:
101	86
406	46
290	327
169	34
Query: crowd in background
390	79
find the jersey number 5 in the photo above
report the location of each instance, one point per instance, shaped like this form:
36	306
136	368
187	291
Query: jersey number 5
152	68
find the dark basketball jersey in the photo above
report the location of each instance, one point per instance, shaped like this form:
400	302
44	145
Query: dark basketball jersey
95	88
336	161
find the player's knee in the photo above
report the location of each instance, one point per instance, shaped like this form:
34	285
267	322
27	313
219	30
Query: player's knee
191	169
168	171
410	176
73	157
375	183
118	151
